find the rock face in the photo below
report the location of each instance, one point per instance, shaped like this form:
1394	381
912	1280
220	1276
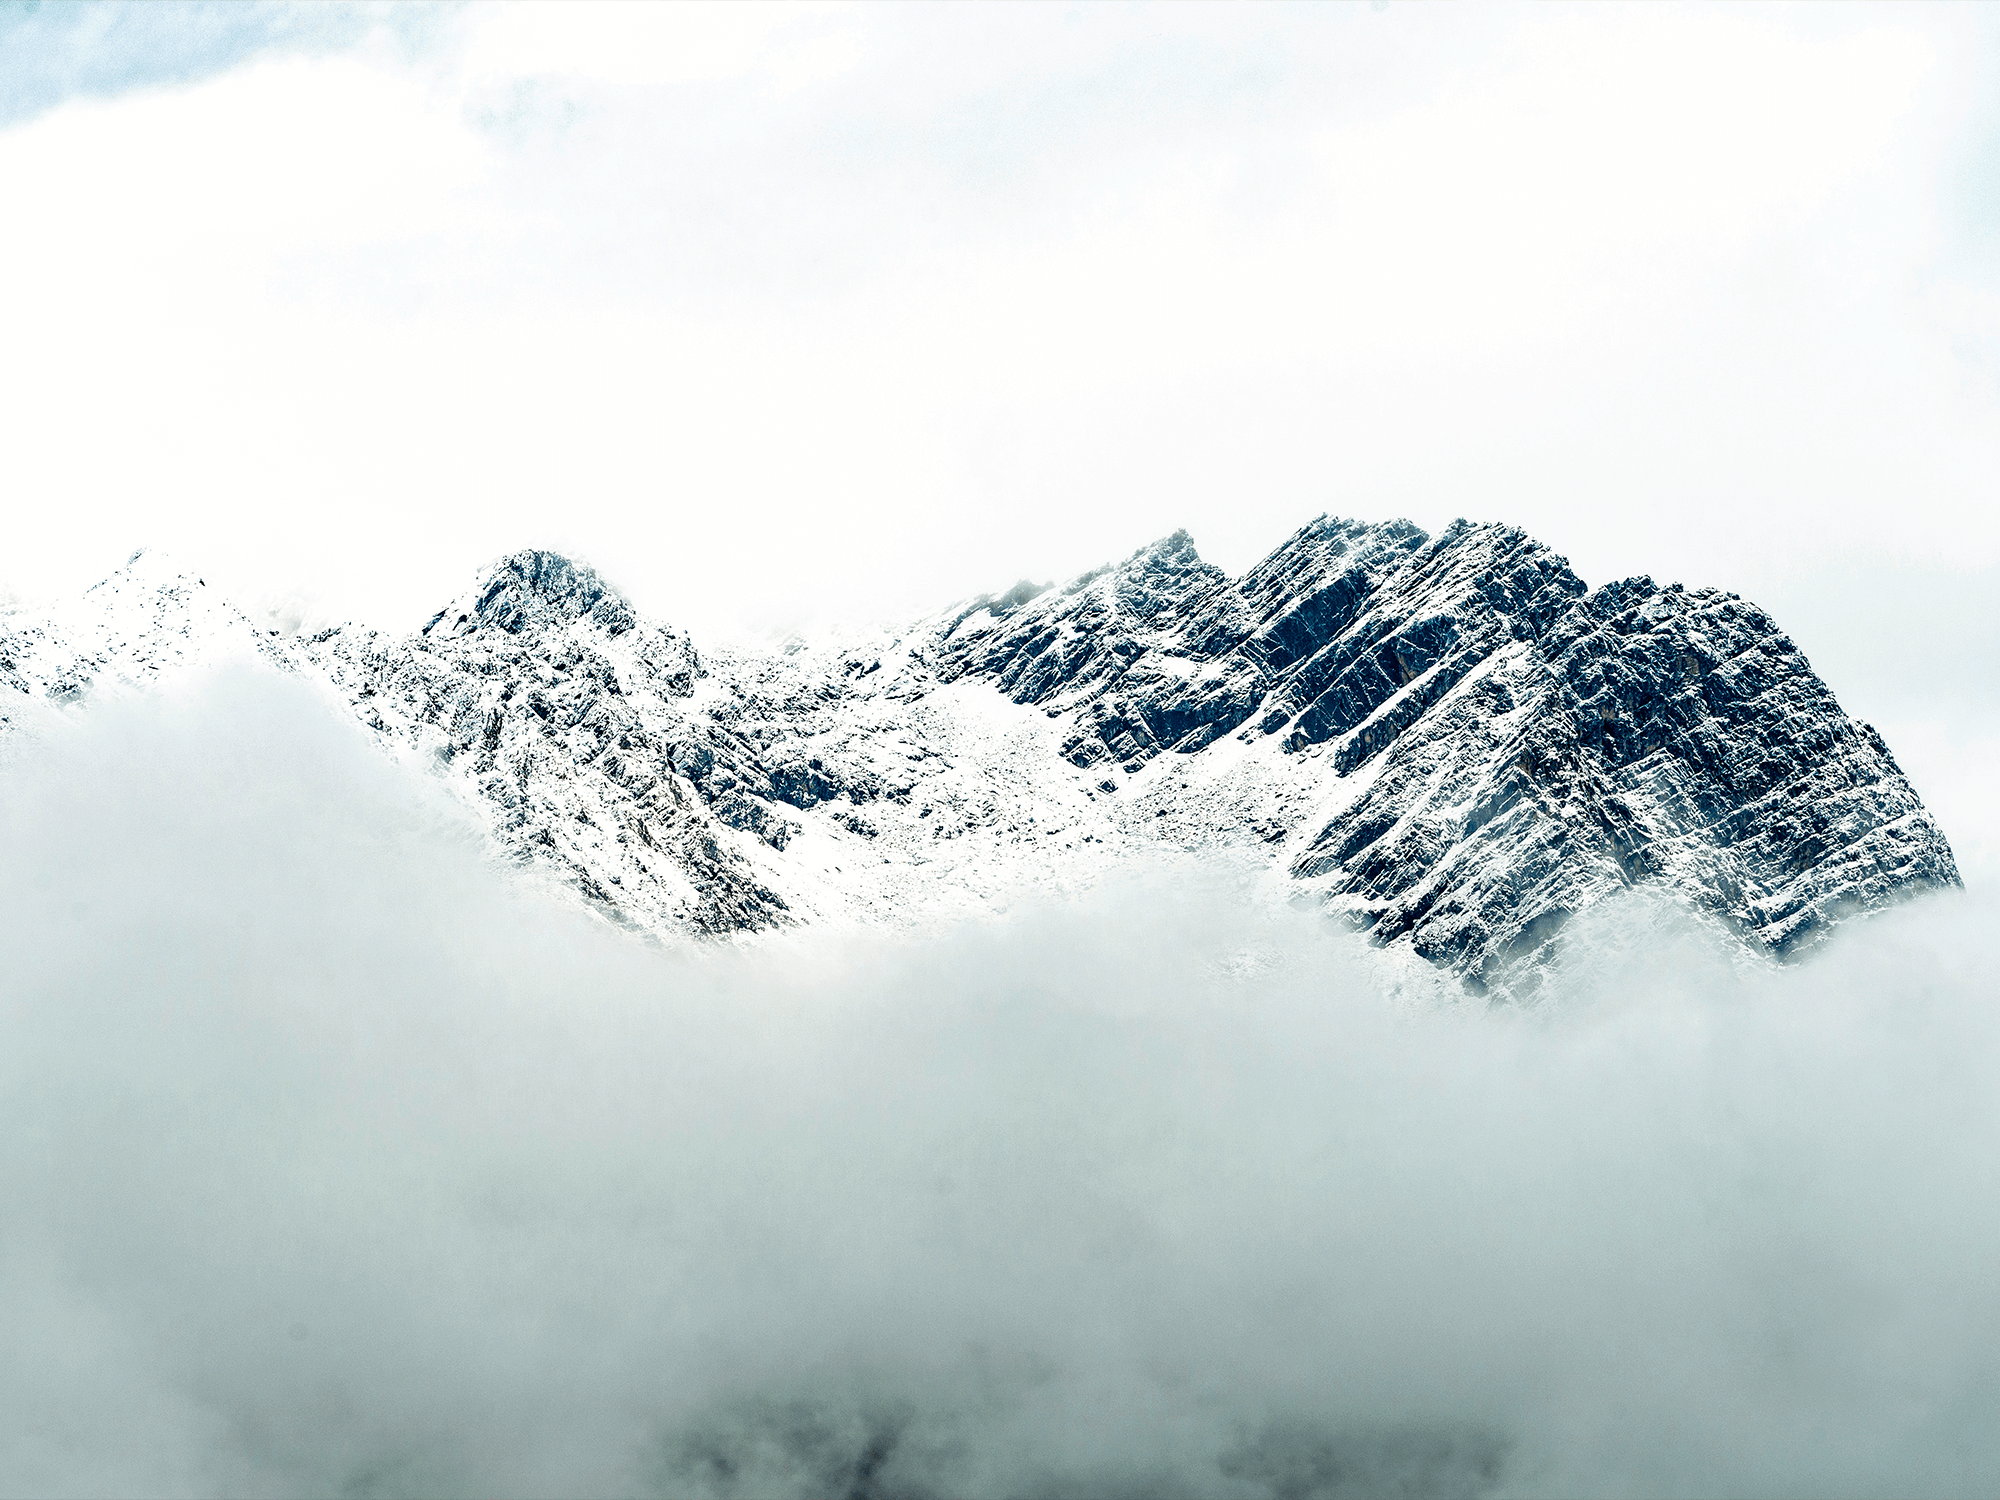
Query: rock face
1518	746
541	691
1641	734
1448	740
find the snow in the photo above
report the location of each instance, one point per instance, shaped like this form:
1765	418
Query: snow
1000	750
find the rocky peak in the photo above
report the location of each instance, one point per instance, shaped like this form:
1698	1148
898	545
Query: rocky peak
1163	652
531	591
1530	746
1169	574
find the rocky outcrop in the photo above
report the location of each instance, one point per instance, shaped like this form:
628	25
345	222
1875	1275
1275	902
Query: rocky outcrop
531	593
543	692
1518	747
1647	735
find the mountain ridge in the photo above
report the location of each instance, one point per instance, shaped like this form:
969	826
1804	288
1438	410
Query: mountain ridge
1448	741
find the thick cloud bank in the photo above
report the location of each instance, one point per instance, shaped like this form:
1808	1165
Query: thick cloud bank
336	1165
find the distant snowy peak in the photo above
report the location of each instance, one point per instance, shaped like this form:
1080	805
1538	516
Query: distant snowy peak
148	620
533	591
1449	741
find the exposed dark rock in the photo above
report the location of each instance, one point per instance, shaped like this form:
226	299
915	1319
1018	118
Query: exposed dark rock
531	591
1530	746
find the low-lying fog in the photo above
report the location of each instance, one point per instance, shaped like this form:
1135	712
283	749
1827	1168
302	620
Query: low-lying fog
337	1164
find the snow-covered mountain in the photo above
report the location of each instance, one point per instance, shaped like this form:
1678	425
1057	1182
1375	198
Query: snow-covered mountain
1450	741
144	624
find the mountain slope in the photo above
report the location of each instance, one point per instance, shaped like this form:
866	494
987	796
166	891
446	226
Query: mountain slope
139	627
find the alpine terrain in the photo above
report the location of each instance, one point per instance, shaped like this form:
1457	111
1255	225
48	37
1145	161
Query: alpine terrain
1449	741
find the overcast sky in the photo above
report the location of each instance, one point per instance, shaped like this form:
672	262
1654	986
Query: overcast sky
803	315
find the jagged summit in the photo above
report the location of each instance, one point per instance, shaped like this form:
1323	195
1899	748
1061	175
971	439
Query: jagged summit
532	590
1165	652
1449	740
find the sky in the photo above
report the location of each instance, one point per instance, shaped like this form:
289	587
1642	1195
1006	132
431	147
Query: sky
817	315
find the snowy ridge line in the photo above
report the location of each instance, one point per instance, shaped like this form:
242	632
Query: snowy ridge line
1450	741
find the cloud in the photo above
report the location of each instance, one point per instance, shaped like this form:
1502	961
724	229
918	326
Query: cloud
598	42
103	48
342	1162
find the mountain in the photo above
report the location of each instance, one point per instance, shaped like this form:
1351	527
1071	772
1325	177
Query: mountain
144	624
1450	742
